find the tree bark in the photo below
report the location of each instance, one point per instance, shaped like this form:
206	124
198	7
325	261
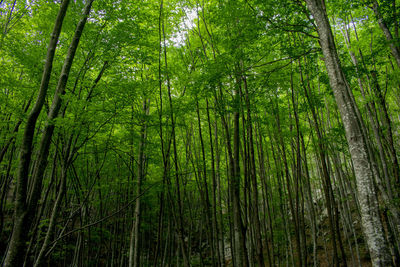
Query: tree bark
253	174
388	35
134	249
372	225
17	246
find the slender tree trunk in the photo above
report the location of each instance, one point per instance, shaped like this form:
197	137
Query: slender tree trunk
219	197
206	194
179	215
134	248
214	189
310	202
288	187
388	132
253	175
267	205
297	174
17	246
278	164
394	47
53	216
327	184
11	140
7	178
239	230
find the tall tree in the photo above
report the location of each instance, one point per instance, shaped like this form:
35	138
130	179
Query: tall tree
22	212
356	139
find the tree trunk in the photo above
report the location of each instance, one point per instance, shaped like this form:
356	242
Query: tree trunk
134	249
253	175
17	246
214	189
372	225
239	230
394	47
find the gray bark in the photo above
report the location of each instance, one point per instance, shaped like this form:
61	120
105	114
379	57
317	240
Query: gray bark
372	225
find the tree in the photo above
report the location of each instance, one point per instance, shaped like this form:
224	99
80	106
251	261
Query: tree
356	139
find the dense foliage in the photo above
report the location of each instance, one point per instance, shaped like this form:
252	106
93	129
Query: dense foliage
199	133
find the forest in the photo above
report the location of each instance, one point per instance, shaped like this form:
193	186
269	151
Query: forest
199	133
